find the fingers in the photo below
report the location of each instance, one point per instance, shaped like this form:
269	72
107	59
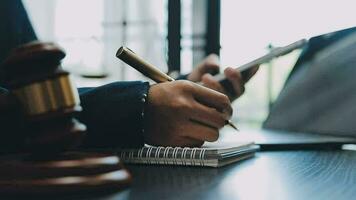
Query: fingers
208	116
191	114
195	134
201	132
247	75
209	81
206	121
212	59
211	98
233	76
209	65
236	80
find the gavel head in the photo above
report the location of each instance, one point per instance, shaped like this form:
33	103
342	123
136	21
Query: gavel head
32	73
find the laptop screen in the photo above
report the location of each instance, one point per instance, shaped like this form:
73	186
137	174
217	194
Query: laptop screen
320	94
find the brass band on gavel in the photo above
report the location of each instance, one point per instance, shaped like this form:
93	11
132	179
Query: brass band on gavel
48	95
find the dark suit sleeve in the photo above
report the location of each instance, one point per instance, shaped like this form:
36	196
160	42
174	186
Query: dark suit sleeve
113	114
15	27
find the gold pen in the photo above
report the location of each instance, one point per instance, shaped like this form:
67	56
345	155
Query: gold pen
150	71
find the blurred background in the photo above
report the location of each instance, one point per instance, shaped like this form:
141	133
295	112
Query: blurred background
176	34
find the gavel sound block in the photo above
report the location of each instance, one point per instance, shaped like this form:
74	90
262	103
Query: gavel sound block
68	173
44	103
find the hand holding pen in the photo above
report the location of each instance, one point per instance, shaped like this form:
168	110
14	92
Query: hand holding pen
179	113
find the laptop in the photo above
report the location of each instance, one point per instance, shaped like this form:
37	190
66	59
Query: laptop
316	109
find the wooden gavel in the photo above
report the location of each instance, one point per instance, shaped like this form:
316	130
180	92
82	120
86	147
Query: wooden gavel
41	100
37	116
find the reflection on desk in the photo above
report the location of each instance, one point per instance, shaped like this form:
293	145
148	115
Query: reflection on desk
270	175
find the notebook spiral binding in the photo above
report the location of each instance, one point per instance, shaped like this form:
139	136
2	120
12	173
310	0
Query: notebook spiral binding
165	155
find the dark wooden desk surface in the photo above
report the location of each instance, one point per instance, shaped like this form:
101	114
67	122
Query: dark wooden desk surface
269	175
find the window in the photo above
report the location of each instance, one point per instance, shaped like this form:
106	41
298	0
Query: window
92	31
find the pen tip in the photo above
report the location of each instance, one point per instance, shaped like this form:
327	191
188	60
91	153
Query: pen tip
232	125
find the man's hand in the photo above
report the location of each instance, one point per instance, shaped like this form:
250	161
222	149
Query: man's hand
210	65
182	113
202	73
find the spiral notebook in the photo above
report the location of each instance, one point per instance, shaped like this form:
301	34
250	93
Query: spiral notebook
210	154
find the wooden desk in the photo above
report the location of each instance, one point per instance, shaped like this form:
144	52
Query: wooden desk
269	175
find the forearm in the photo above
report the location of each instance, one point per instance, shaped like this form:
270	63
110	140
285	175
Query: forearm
113	114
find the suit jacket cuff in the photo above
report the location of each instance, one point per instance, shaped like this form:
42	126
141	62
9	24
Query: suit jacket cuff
113	114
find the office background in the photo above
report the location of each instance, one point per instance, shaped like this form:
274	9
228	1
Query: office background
177	34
